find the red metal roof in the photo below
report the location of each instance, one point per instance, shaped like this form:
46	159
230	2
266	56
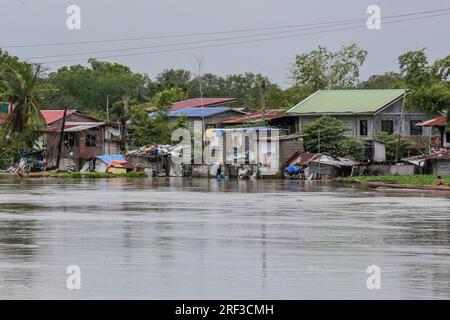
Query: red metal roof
303	159
257	116
441	154
197	103
51	116
436	122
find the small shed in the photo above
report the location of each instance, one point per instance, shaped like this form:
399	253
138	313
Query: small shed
439	162
116	164
327	167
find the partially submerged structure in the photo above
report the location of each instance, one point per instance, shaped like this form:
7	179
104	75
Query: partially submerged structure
115	164
156	160
84	138
437	162
316	166
257	151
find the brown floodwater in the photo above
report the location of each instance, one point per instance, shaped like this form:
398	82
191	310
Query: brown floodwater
203	239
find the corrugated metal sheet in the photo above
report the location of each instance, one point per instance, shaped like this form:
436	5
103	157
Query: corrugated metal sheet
440	121
254	117
82	127
303	159
347	101
74	127
51	116
197	102
110	158
199	112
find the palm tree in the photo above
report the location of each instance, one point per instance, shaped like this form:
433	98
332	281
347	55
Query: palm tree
19	86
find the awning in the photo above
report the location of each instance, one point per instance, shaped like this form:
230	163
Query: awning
74	127
436	122
83	127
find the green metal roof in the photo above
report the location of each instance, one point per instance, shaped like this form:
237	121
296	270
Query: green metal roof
347	101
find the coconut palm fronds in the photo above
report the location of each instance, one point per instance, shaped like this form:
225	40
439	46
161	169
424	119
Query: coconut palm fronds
19	85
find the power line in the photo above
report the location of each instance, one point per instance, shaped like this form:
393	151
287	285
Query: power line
177	44
184	43
217	32
240	42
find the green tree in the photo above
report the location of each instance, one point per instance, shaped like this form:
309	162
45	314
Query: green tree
213	86
156	128
353	148
327	134
86	88
19	83
322	69
440	69
173	78
10	148
391	141
414	68
388	80
430	84
433	99
164	99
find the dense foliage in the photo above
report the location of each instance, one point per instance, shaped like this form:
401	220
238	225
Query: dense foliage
325	135
391	141
93	87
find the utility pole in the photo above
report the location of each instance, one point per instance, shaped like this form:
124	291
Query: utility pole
107	135
61	139
318	148
126	112
402	117
200	62
263	99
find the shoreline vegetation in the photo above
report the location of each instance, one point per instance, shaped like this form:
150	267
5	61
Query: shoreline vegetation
427	182
98	175
88	175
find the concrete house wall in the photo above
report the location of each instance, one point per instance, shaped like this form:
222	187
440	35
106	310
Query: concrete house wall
211	121
374	121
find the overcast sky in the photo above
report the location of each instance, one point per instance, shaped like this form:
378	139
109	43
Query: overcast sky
27	22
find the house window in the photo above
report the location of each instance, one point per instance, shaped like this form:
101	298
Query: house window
447	137
415	130
387	126
363	128
90	140
71	139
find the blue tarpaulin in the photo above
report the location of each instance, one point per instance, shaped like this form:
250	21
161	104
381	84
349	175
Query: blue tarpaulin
293	169
198	112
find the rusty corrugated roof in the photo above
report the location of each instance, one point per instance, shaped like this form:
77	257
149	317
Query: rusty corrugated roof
254	117
436	122
198	102
303	159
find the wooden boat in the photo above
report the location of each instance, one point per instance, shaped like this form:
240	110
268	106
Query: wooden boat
404	186
39	174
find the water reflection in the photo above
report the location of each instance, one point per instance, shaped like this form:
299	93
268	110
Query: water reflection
198	238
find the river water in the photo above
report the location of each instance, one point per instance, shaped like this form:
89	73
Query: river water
203	239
